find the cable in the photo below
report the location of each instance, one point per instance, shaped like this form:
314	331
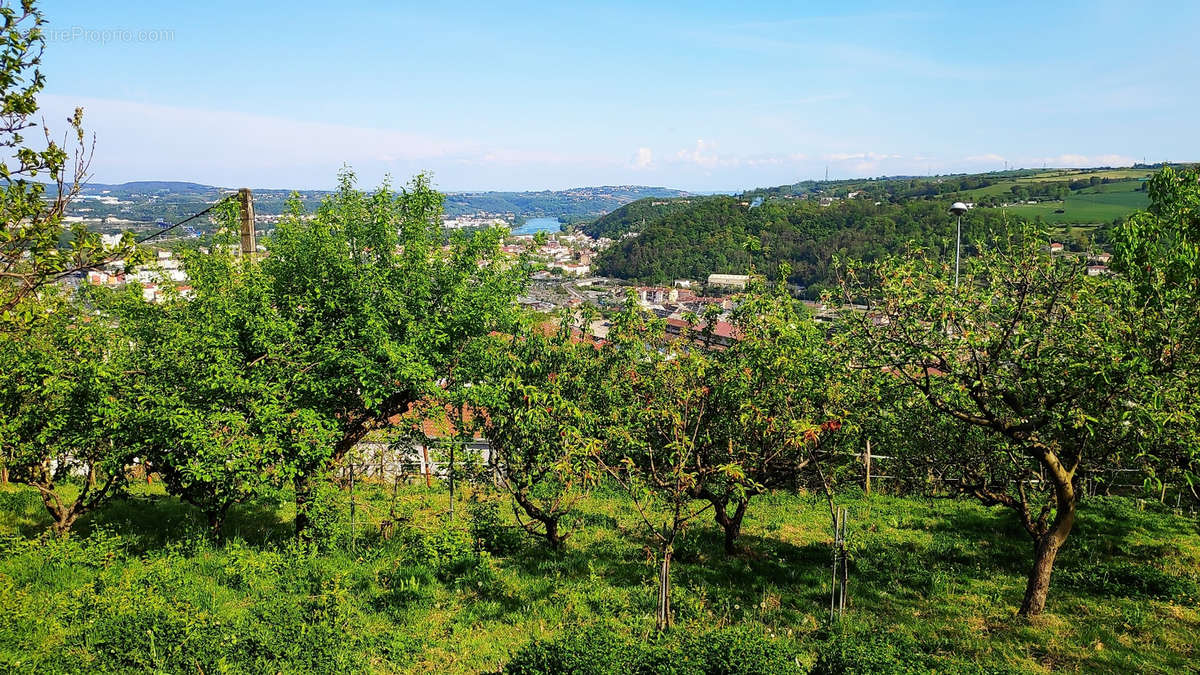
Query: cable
185	220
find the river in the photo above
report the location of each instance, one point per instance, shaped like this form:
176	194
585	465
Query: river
535	225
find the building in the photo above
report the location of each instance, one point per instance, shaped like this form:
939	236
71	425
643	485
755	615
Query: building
657	295
728	280
723	333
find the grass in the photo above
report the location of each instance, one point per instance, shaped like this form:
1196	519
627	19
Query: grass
140	587
1079	174
1088	206
1091	208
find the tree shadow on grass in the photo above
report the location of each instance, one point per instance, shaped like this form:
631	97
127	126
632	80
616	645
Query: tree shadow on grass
763	566
766	565
1102	557
149	522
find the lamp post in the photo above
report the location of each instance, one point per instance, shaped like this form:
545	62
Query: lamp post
958	209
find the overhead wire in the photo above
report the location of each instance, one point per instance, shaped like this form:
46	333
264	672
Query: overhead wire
185	220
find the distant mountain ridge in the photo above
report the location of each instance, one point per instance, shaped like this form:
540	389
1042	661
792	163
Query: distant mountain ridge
169	186
149	200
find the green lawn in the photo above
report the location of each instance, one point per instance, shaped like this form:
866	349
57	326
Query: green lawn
141	588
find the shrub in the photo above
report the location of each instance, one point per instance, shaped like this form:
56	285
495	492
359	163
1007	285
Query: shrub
595	650
603	650
868	653
328	513
488	529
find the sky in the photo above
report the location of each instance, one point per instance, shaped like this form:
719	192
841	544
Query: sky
550	95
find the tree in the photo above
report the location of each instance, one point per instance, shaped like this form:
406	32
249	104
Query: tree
377	310
1158	252
540	424
212	405
66	393
657	408
775	403
1028	349
32	250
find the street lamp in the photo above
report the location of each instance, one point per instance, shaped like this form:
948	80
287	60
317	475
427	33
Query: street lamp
958	209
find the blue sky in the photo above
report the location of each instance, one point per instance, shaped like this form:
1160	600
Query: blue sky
549	95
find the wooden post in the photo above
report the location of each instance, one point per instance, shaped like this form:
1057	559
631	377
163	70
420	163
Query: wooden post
246	215
867	469
353	530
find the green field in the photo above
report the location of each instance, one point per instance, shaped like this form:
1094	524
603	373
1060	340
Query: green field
934	585
1084	208
1092	205
1087	206
1077	174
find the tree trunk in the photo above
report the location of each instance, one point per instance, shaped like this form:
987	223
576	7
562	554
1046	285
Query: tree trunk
555	541
62	515
63	521
451	477
216	519
1046	549
732	524
663	617
1038	584
548	520
4	476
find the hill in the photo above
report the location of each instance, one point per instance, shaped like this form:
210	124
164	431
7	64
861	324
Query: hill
633	216
807	223
567	204
142	203
711	235
1072	190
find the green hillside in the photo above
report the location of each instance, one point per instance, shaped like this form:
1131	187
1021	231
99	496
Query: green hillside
1084	208
806	224
634	216
725	235
576	202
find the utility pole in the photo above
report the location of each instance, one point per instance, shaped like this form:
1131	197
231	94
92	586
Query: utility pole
246	215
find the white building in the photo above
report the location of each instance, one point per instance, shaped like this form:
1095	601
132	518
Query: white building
728	280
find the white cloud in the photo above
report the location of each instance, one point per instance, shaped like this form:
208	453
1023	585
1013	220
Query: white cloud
869	156
702	154
705	155
1074	160
644	159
